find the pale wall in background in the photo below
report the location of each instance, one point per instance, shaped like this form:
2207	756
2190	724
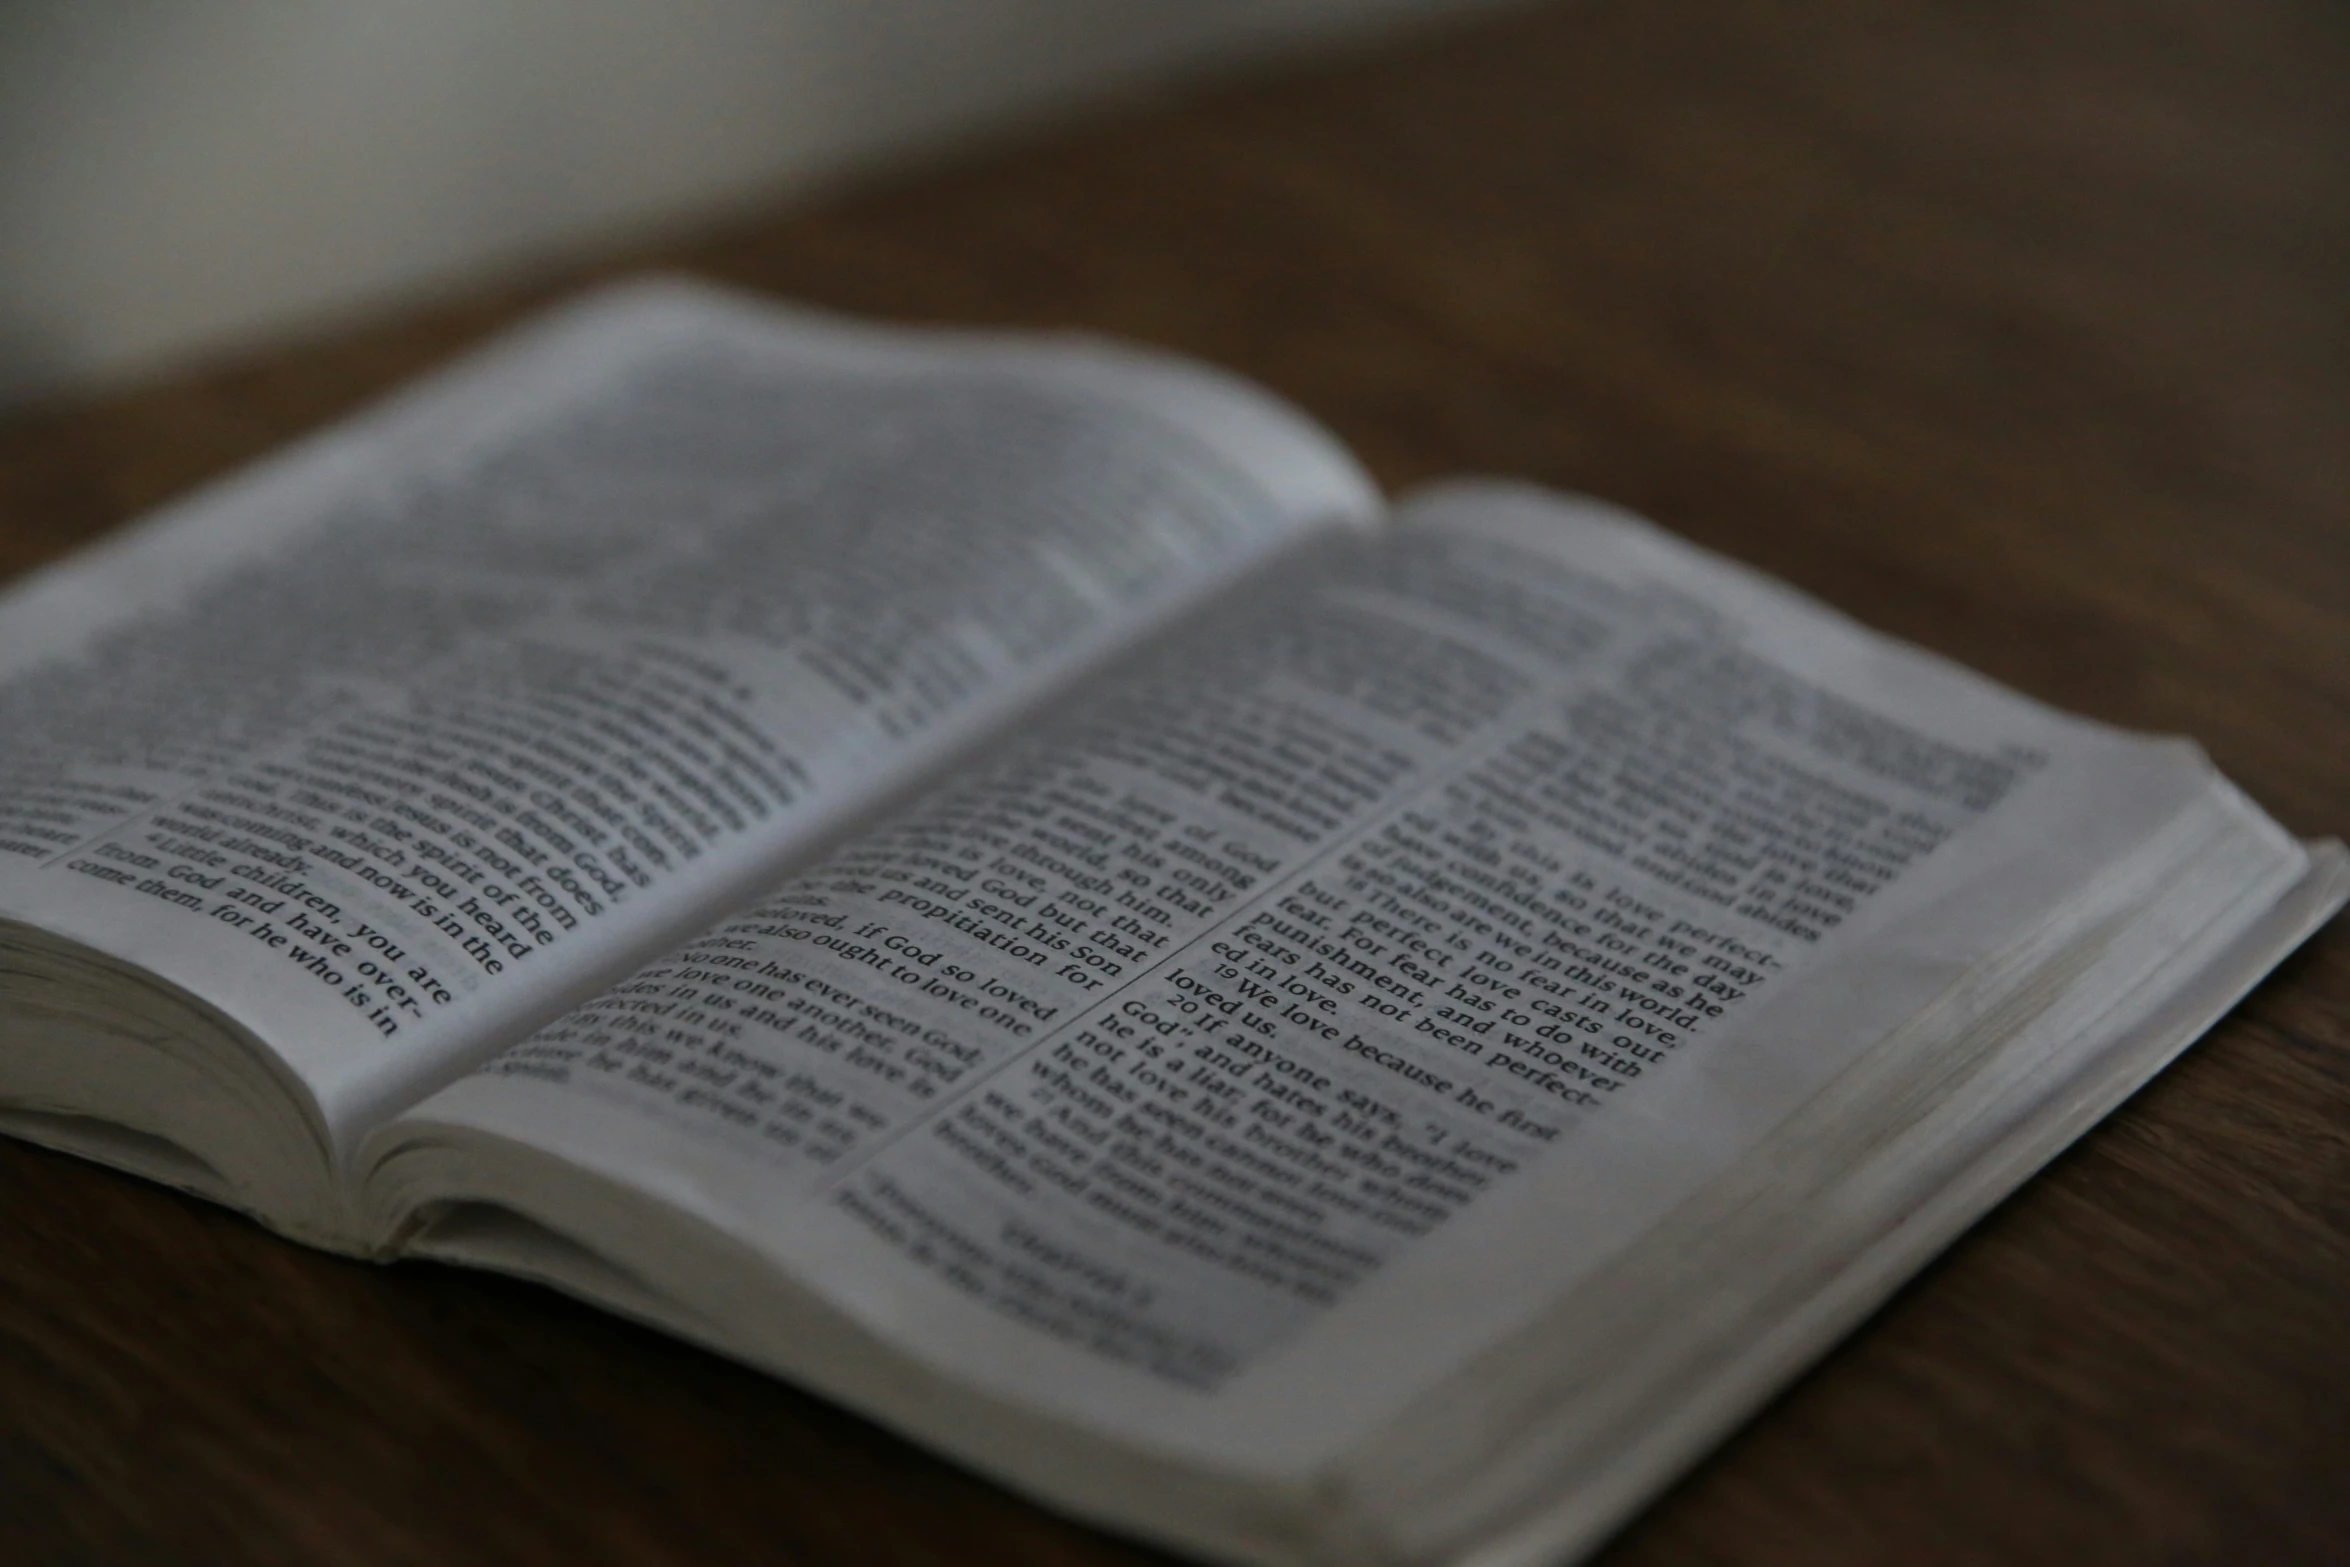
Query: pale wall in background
177	175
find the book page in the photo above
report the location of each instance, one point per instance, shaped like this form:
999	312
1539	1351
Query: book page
1195	1067
428	728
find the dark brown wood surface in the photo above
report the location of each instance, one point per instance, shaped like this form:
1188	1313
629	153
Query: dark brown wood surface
2022	331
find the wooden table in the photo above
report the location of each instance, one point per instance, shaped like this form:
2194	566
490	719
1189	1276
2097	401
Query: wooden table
2021	331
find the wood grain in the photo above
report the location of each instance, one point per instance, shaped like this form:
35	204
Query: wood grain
2022	331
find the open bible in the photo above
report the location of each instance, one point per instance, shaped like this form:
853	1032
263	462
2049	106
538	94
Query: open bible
996	878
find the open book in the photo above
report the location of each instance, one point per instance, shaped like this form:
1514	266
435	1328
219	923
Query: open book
991	876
